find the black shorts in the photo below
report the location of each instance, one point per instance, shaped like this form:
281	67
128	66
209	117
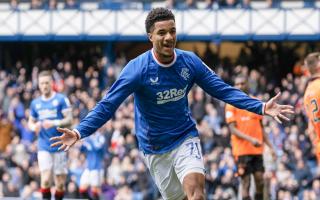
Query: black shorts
249	164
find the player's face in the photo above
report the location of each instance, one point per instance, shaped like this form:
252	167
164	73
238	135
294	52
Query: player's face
45	85
241	84
163	38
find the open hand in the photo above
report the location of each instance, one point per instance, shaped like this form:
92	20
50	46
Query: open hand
66	140
278	111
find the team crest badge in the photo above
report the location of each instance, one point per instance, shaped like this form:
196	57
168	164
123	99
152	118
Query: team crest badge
55	102
185	73
38	106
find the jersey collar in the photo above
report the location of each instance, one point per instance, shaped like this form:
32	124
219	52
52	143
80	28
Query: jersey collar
48	99
161	64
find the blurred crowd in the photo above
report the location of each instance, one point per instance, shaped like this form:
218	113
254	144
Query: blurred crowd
293	174
46	4
145	4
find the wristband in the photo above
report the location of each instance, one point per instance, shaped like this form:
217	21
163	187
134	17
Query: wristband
77	134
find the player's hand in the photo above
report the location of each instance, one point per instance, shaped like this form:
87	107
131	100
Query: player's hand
277	111
47	124
66	140
255	142
37	127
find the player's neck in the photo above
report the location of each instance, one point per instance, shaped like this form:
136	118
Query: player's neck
49	96
164	61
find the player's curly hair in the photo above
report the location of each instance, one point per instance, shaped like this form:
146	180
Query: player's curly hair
157	14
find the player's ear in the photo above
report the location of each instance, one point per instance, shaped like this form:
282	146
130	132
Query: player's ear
150	36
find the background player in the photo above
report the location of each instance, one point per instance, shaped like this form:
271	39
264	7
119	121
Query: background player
247	140
312	100
161	79
47	112
94	147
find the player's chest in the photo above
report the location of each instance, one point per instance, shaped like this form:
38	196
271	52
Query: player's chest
167	83
245	116
160	78
47	109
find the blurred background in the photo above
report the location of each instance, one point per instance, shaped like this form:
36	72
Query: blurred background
86	43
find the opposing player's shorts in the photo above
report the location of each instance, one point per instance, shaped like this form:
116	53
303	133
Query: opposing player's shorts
248	164
91	178
56	161
168	170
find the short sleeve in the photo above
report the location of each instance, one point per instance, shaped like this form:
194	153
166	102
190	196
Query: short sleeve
65	103
230	114
33	112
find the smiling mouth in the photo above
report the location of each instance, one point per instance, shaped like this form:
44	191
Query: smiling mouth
168	45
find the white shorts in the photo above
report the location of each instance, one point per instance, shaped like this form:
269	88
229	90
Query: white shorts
56	161
91	178
168	170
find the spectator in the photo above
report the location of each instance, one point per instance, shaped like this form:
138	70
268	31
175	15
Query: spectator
188	4
14	4
36	4
72	190
197	106
52	4
6	129
302	174
170	4
246	4
71	4
228	3
211	4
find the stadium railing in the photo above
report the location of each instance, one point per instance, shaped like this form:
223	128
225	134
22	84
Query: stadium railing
90	23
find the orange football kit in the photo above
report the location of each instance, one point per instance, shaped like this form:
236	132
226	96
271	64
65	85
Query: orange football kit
249	124
312	107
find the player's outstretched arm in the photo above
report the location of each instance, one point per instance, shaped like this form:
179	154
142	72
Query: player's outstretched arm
66	140
278	111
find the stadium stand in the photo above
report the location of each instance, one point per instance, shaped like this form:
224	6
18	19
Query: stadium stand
147	4
85	80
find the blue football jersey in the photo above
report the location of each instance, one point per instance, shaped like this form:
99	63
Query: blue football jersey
162	115
95	149
51	109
